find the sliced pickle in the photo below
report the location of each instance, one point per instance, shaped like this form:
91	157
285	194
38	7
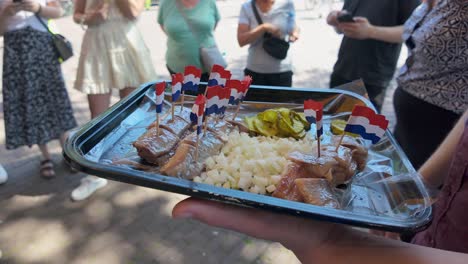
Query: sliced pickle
281	122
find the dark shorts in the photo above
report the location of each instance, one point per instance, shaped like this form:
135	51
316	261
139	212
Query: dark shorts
271	79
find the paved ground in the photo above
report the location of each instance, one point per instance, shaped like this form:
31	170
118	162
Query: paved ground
127	224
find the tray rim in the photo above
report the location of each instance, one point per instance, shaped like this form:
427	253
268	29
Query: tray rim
238	197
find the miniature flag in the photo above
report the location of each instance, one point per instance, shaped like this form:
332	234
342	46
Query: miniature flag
237	91
198	110
177	81
224	99
313	112
218	76
192	77
159	91
213	99
246	82
365	122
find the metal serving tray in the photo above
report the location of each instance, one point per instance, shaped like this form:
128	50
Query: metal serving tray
388	195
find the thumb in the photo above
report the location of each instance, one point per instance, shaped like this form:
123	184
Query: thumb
289	230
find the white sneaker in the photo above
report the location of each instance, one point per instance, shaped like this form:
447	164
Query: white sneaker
3	175
88	186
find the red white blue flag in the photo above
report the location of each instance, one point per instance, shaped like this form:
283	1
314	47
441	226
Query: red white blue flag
246	82
192	77
237	91
159	91
313	112
214	96
366	123
224	100
218	76
177	81
198	110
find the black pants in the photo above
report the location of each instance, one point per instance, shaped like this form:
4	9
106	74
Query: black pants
421	126
376	93
271	79
201	89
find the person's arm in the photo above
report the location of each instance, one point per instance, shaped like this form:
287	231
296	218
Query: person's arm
362	29
245	35
313	241
332	18
51	10
435	169
294	34
131	9
92	18
7	9
217	15
162	28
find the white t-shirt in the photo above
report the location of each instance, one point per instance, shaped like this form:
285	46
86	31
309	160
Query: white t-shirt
282	15
24	19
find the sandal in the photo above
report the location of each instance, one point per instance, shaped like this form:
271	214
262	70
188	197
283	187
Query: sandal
47	169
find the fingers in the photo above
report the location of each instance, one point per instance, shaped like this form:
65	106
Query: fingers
332	18
361	20
288	230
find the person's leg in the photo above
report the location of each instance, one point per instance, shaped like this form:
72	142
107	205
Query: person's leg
47	167
126	91
283	79
98	103
3	175
415	130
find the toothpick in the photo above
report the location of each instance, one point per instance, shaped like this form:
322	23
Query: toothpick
236	112
205	125
318	146
342	136
196	148
182	103
172	110
157	124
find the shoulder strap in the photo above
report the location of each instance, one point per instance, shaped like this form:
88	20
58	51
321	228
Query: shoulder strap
257	15
190	26
42	23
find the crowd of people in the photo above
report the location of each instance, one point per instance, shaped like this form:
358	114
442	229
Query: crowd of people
431	96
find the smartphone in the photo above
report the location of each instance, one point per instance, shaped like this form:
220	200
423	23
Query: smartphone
17	1
345	17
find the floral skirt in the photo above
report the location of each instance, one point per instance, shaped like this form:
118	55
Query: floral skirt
36	105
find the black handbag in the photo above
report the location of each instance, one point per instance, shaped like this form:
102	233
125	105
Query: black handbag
275	47
63	47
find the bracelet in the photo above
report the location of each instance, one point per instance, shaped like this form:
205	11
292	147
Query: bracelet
38	12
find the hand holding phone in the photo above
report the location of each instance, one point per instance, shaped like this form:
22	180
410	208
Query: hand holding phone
345	17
